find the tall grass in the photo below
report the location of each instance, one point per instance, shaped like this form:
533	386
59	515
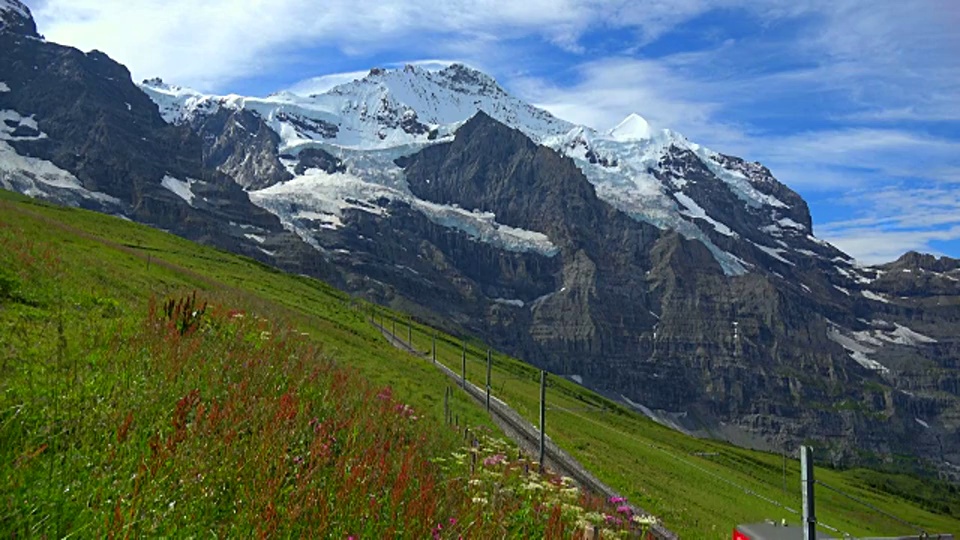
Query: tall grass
198	417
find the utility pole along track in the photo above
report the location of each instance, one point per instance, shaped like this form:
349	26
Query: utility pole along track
528	437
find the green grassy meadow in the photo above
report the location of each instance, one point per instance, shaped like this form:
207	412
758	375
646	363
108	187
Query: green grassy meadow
121	415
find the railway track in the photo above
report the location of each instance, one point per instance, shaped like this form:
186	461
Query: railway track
527	436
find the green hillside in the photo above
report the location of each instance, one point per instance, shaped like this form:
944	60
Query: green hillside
98	396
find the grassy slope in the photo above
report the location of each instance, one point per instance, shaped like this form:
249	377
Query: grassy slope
699	487
115	266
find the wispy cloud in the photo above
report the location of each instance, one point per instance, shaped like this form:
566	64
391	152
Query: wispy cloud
835	97
209	44
608	90
887	221
317	85
876	246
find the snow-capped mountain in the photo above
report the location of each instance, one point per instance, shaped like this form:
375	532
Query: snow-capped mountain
390	113
681	280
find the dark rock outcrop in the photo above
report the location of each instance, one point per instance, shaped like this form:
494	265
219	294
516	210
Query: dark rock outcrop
101	128
240	144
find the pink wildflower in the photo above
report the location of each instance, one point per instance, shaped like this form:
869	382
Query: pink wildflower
497	459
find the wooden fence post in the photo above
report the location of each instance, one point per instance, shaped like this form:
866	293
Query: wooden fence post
543	416
489	364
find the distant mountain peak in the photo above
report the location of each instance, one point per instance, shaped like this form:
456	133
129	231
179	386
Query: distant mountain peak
913	260
15	17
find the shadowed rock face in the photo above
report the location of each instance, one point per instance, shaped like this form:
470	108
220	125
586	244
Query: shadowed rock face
240	144
648	315
99	126
15	18
771	358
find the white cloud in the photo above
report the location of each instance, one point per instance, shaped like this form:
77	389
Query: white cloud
610	89
872	246
858	154
888	221
835	97
318	85
206	45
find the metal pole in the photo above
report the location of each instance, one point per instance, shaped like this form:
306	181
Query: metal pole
806	479
489	363
434	347
543	415
446	405
463	365
783	453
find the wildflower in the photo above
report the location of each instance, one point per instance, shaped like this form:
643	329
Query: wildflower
385	394
480	500
613	520
571	509
594	517
474	482
618	500
644	520
624	509
452	521
570	493
533	486
491	461
264	336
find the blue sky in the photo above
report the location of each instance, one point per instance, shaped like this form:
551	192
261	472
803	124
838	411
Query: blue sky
854	104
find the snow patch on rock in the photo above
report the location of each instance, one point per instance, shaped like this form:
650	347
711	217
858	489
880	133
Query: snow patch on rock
11	121
906	336
180	188
858	352
320	196
870	295
776	253
36	177
695	211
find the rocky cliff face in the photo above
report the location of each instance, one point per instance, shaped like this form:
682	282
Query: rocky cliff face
94	139
679	280
649	316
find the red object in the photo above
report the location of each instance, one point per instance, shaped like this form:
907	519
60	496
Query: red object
737	535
